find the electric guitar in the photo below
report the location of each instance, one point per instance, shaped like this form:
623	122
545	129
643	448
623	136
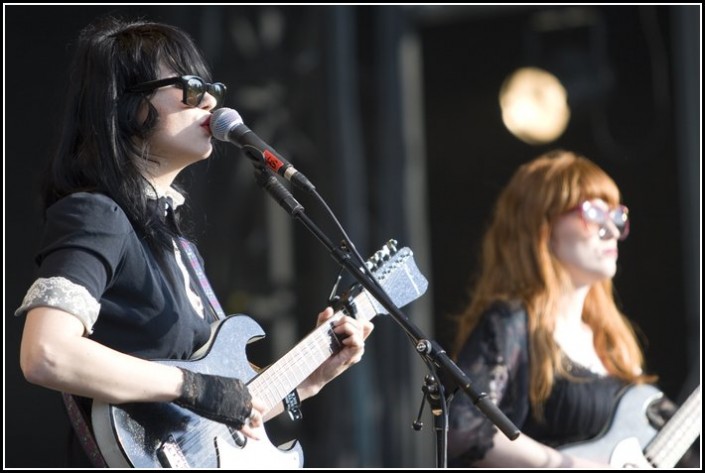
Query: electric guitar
631	441
164	435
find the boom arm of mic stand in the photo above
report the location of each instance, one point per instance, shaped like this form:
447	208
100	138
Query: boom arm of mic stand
428	349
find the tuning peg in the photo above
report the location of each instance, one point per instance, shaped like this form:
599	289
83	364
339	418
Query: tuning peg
391	246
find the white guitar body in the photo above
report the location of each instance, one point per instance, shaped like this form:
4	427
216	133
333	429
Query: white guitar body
631	441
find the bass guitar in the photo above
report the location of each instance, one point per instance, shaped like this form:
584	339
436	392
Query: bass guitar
631	441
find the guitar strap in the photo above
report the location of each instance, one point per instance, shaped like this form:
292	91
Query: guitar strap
195	267
83	432
200	276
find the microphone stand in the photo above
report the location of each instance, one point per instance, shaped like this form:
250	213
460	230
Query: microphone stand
434	355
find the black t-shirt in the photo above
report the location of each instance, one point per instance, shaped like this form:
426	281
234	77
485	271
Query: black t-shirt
144	306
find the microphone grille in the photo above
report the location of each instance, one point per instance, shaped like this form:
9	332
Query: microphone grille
222	121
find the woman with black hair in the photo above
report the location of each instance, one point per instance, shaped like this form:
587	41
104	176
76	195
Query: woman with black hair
118	282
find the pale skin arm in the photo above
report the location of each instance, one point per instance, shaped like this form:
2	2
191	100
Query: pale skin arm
55	354
524	452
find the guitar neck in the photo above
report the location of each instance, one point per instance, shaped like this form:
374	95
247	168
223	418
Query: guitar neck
679	433
273	384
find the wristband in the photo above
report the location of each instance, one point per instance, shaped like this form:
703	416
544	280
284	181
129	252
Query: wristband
292	404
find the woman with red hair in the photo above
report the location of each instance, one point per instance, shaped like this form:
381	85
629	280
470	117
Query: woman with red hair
543	335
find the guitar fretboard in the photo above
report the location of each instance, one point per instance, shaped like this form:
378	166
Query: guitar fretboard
279	379
679	433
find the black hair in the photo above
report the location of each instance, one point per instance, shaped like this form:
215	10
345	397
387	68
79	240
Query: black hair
98	148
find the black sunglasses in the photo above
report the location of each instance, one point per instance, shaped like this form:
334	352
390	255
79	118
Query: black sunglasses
194	88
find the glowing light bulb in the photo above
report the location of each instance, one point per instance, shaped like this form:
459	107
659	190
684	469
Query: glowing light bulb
534	105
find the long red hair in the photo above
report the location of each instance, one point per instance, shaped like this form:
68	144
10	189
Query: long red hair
517	264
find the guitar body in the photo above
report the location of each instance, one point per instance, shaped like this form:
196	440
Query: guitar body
161	435
631	441
627	435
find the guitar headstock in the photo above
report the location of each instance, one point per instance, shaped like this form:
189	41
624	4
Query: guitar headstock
377	260
396	272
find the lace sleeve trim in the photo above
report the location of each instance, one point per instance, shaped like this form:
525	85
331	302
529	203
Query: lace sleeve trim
60	293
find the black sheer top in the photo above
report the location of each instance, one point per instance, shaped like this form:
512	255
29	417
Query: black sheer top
496	359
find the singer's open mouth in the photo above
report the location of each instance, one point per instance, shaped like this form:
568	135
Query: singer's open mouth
207	124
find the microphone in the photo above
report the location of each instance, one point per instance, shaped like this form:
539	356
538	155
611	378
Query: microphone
227	125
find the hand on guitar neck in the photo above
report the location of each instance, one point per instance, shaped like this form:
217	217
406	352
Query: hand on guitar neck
352	334
228	400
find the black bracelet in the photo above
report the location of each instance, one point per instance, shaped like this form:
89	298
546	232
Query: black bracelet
292	404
